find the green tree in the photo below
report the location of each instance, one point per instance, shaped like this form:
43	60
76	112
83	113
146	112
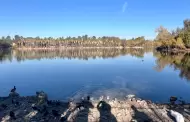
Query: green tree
179	43
94	37
17	37
37	38
8	39
186	38
187	24
3	38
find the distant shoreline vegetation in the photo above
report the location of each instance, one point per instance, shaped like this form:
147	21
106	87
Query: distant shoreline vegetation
174	41
80	41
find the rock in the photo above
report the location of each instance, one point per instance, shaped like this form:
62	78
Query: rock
55	113
35	108
182	102
45	113
149	102
101	98
49	102
57	103
130	96
173	99
134	120
88	98
186	106
31	114
63	119
41	97
30	110
13	94
133	100
15	102
108	97
12	115
4	106
5	119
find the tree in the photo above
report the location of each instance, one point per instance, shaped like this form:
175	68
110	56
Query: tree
79	38
37	38
83	41
8	39
3	38
180	43
163	34
187	24
17	38
186	33
85	37
94	37
186	38
177	32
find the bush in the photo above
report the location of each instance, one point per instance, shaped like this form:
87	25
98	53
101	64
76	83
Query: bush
179	43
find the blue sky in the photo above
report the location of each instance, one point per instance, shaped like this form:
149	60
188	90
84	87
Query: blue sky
122	18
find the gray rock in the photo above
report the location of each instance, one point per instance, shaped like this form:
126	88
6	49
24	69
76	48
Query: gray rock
14	94
41	97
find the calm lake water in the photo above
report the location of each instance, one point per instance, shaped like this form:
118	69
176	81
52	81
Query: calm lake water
98	72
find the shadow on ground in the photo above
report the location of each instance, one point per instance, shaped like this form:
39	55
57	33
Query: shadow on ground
140	116
105	112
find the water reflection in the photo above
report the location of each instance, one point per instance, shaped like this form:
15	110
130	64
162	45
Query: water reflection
123	72
84	54
179	61
5	55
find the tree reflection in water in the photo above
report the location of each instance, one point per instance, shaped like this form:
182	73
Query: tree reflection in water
5	55
179	61
77	53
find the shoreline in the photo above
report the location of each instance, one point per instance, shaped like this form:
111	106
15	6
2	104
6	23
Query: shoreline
172	50
39	108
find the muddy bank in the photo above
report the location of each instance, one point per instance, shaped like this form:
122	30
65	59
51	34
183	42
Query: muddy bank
38	108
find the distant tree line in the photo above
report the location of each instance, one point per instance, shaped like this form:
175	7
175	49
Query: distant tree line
176	39
5	42
80	41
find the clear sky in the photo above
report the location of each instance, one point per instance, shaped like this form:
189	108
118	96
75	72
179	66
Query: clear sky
122	18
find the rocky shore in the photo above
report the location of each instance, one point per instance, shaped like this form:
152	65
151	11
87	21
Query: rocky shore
38	108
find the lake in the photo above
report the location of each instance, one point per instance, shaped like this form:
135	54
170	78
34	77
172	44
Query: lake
67	73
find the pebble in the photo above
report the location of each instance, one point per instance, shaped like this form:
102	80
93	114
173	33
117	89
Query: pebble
108	97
